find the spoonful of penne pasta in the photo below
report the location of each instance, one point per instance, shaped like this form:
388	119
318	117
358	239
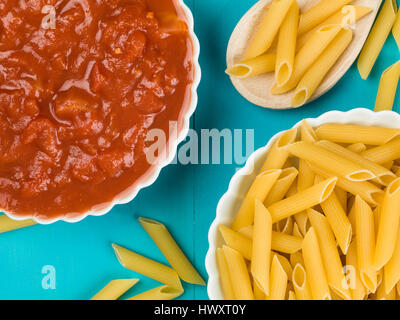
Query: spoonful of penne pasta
286	53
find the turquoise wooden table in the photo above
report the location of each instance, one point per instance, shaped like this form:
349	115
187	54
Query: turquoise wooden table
184	197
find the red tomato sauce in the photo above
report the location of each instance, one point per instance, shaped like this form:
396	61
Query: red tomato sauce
77	101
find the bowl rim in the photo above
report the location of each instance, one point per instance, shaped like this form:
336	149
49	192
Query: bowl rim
151	175
360	116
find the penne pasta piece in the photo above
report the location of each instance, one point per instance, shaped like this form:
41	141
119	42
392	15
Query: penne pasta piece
387	88
287	45
279	281
314	76
392	268
338	220
7	224
237	270
247	232
147	267
296	231
258	293
277	155
171	251
377	37
285	226
330	254
382	154
366	190
365	237
282	185
319	13
308	54
306	176
268	29
159	293
384	176
226	281
357	147
280	242
357	289
396	30
300	284
348	133
115	289
388	165
285	243
328	160
302	200
388	225
342	197
296	258
346	17
261	248
237	241
307	132
316	275
253	67
381	294
285	264
302	222
259	190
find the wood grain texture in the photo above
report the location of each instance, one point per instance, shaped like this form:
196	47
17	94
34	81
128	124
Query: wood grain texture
257	89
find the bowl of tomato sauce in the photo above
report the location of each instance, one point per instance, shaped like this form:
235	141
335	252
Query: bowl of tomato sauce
82	85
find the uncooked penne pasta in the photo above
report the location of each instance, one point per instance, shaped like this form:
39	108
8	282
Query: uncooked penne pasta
300	283
159	293
388	225
296	258
357	289
338	221
330	254
384	176
366	190
328	160
342	197
357	147
258	293
261	249
345	17
314	76
285	263
387	88
382	154
268	29
278	282
238	271
392	268
319	12
259	190
280	242
306	175
285	226
171	251
316	275
296	231
302	221
278	155
396	30
282	185
115	289
381	293
365	237
226	281
147	267
253	67
377	37
287	45
349	133
307	55
302	200
7	224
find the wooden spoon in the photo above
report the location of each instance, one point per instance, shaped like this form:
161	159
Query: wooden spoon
256	89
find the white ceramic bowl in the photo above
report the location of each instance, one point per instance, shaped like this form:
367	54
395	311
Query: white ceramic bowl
231	200
149	177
